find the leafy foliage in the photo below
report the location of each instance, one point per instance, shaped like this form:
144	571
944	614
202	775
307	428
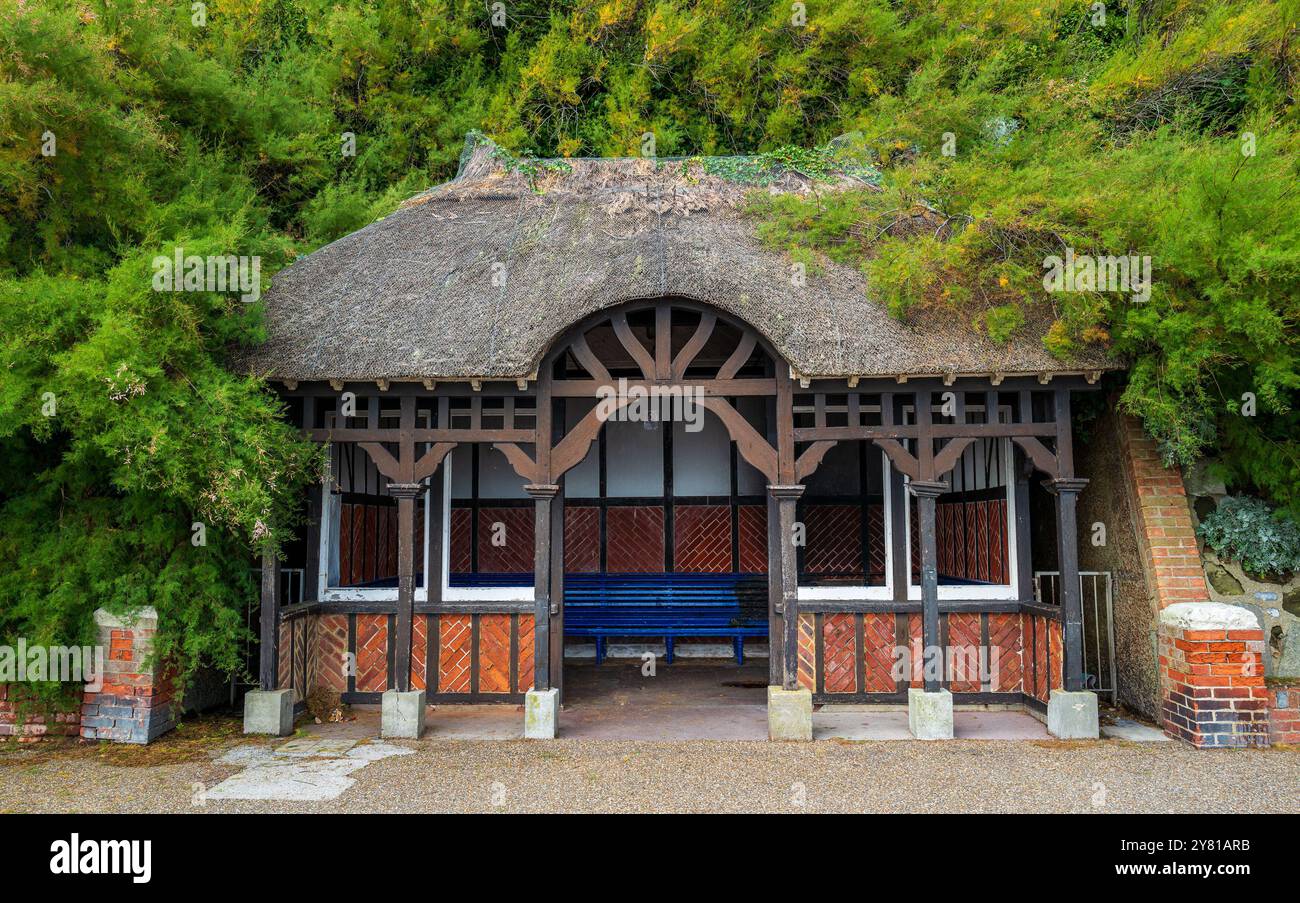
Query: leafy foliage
1246	530
1123	135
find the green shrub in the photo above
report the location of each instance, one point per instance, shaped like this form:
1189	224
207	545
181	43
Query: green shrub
1247	530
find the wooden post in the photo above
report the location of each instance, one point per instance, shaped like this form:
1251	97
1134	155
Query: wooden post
926	492
1066	490
406	495
543	495
787	497
268	658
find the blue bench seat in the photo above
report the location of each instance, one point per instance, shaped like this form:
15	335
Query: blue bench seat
666	605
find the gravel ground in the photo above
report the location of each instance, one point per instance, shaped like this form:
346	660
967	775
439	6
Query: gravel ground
712	776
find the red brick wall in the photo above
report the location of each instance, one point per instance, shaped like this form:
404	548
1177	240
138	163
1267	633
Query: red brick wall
702	539
1284	714
634	540
35	723
1212	678
1164	520
134	704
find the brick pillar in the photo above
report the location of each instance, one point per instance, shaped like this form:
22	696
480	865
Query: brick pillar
1284	714
134	704
1212	675
1164	520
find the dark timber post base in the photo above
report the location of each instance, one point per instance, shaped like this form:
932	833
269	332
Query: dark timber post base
268	660
931	654
406	494
787	497
543	495
1066	490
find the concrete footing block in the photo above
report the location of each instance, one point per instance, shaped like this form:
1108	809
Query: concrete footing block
929	715
541	714
1072	715
789	714
401	715
268	712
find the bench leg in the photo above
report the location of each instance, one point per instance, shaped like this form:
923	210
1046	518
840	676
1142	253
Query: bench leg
600	650
668	649
739	644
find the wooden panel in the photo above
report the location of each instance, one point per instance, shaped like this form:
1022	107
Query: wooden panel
702	539
634	538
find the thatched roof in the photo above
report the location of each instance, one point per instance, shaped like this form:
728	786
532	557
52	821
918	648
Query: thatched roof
474	279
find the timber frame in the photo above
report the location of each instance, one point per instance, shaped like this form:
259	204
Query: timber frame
922	425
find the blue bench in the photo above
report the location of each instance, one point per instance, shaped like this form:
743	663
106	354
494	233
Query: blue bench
666	605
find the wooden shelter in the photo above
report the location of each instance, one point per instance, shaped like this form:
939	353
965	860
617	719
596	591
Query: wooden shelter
470	360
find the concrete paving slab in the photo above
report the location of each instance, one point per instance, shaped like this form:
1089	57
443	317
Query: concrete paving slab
317	746
1133	731
831	724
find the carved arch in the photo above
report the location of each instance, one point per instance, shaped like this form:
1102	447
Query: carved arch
660	369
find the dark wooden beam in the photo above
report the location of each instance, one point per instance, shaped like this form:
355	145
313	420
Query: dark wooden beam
926	492
787	498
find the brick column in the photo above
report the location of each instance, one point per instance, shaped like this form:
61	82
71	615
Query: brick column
1212	675
1164	520
1284	714
135	703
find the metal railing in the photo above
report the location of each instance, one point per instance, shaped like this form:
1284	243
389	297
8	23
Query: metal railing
291	593
1096	594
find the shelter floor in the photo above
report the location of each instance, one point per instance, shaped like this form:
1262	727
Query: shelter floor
699	700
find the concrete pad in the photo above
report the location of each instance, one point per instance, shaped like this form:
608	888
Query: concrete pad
541	714
834	722
373	752
268	712
789	714
1072	715
311	780
315	747
1134	732
402	714
929	715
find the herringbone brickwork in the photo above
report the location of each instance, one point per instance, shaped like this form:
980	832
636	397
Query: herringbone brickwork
372	653
834	539
839	653
515	530
527	652
878	643
752	538
494	653
634	539
702	539
454	652
581	539
1005	652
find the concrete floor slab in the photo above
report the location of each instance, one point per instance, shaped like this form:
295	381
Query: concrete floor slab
1133	731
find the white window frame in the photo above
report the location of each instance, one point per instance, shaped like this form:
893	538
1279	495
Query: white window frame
847	593
1000	591
329	535
470	593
